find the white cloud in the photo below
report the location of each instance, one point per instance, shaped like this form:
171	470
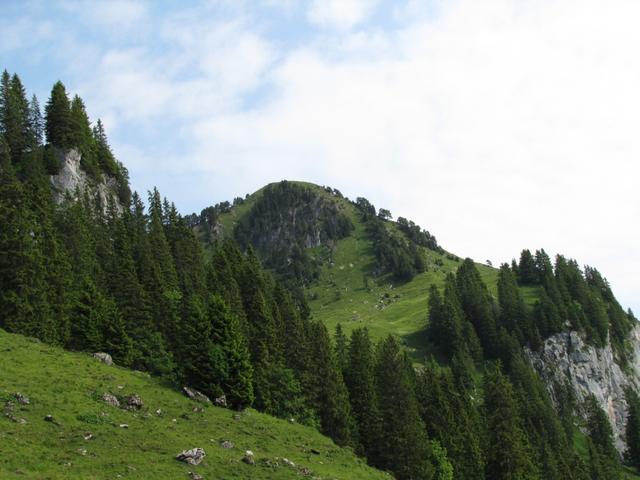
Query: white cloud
120	15
499	126
340	14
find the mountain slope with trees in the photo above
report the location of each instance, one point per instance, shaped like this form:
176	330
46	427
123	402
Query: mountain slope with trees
304	305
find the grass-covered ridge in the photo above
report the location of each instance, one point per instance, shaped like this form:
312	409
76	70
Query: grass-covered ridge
350	291
69	387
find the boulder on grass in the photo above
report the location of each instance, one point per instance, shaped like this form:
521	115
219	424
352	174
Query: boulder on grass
104	358
192	457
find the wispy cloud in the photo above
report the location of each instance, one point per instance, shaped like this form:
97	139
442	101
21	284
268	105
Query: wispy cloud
498	125
340	14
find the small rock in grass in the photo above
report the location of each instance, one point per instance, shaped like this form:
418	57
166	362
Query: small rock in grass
248	458
49	418
124	425
195	395
110	399
104	358
226	444
192	457
195	476
88	436
21	399
288	462
221	401
305	471
134	402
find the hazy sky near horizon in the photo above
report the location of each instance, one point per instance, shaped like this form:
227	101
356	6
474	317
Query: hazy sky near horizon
497	125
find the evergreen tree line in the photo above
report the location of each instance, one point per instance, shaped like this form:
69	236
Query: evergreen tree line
135	284
526	435
571	298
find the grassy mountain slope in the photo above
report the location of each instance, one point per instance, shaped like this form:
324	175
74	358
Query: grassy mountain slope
69	386
349	293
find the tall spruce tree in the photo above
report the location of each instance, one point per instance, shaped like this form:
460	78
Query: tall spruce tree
360	381
507	450
604	459
58	124
225	332
632	428
404	448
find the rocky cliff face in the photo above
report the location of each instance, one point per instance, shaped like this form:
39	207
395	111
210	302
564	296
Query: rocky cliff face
565	357
73	179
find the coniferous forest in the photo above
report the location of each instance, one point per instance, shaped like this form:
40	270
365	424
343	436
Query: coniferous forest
228	316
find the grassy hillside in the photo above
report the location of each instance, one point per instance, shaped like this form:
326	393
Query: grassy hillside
349	293
69	386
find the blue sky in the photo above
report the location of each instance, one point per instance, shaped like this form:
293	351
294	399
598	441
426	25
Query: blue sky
497	125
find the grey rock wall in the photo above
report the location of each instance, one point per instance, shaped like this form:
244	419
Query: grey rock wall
566	357
72	179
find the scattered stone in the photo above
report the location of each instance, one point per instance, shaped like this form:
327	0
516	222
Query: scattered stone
21	399
197	410
124	425
110	399
221	401
292	420
82	451
192	457
248	458
227	444
158	412
305	471
288	462
174	420
88	436
196	395
49	418
134	402
104	358
195	476
120	387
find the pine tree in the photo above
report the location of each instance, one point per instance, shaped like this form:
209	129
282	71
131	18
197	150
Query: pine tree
404	448
201	360
116	339
602	452
632	428
23	303
225	331
446	319
528	273
58	117
81	137
328	394
341	348
14	111
359	378
478	306
36	122
105	158
513	312
507	450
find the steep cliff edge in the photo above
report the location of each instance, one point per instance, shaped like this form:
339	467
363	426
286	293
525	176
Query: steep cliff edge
566	357
73	179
